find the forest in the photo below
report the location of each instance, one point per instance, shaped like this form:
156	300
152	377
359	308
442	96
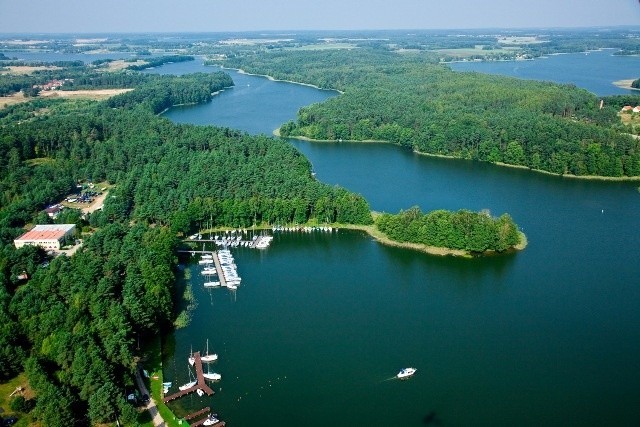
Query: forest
73	323
412	101
474	232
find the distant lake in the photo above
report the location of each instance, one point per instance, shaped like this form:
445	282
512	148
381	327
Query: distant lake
595	71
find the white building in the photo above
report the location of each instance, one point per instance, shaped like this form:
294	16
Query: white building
49	236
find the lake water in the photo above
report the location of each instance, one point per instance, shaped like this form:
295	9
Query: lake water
595	71
322	322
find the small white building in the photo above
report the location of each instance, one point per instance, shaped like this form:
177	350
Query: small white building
47	236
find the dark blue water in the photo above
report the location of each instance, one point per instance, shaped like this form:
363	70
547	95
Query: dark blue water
595	71
251	97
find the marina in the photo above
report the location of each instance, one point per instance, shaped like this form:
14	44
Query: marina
200	383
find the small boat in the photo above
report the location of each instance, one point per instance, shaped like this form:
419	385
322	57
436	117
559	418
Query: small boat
209	357
211	284
187	385
212	376
232	287
200	392
211	420
406	373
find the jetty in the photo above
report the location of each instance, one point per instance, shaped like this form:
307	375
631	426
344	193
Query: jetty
200	383
221	276
200	413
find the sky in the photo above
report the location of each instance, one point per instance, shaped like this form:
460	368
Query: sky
94	16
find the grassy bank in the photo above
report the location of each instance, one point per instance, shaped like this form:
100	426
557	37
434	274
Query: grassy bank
153	364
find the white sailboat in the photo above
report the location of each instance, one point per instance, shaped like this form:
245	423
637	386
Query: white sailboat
209	357
192	360
188	385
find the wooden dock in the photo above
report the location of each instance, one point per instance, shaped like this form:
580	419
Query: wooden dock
200	383
200	413
216	261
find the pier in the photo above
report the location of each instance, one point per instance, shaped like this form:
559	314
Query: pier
200	383
200	413
221	277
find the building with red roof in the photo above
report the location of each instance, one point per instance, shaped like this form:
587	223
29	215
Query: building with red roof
47	236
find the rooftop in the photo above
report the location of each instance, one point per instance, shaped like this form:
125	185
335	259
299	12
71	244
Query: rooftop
47	232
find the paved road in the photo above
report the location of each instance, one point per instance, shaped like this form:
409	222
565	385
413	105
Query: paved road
151	406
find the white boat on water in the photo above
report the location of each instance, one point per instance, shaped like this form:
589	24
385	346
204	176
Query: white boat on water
209	272
200	392
205	261
406	373
232	286
211	284
211	420
187	385
209	357
212	376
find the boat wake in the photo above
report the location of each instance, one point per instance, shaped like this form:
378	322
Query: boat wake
390	379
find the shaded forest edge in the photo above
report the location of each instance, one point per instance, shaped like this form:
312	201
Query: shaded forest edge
412	101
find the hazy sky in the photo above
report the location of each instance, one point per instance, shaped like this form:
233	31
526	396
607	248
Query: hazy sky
86	16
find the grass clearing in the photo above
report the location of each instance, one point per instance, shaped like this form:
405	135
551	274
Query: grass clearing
153	364
92	95
9	387
478	50
325	46
21	70
121	64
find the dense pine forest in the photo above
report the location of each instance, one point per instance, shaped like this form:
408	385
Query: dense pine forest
412	101
73	325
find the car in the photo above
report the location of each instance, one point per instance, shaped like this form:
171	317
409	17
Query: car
145	398
9	421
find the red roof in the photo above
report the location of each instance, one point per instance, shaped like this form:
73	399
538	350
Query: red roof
46	232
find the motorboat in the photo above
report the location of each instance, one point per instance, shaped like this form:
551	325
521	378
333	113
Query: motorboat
406	373
211	420
211	284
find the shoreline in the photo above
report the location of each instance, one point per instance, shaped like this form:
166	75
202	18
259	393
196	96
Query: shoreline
626	84
382	238
501	164
273	79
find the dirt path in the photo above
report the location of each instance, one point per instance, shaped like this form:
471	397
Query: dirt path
151	406
97	204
